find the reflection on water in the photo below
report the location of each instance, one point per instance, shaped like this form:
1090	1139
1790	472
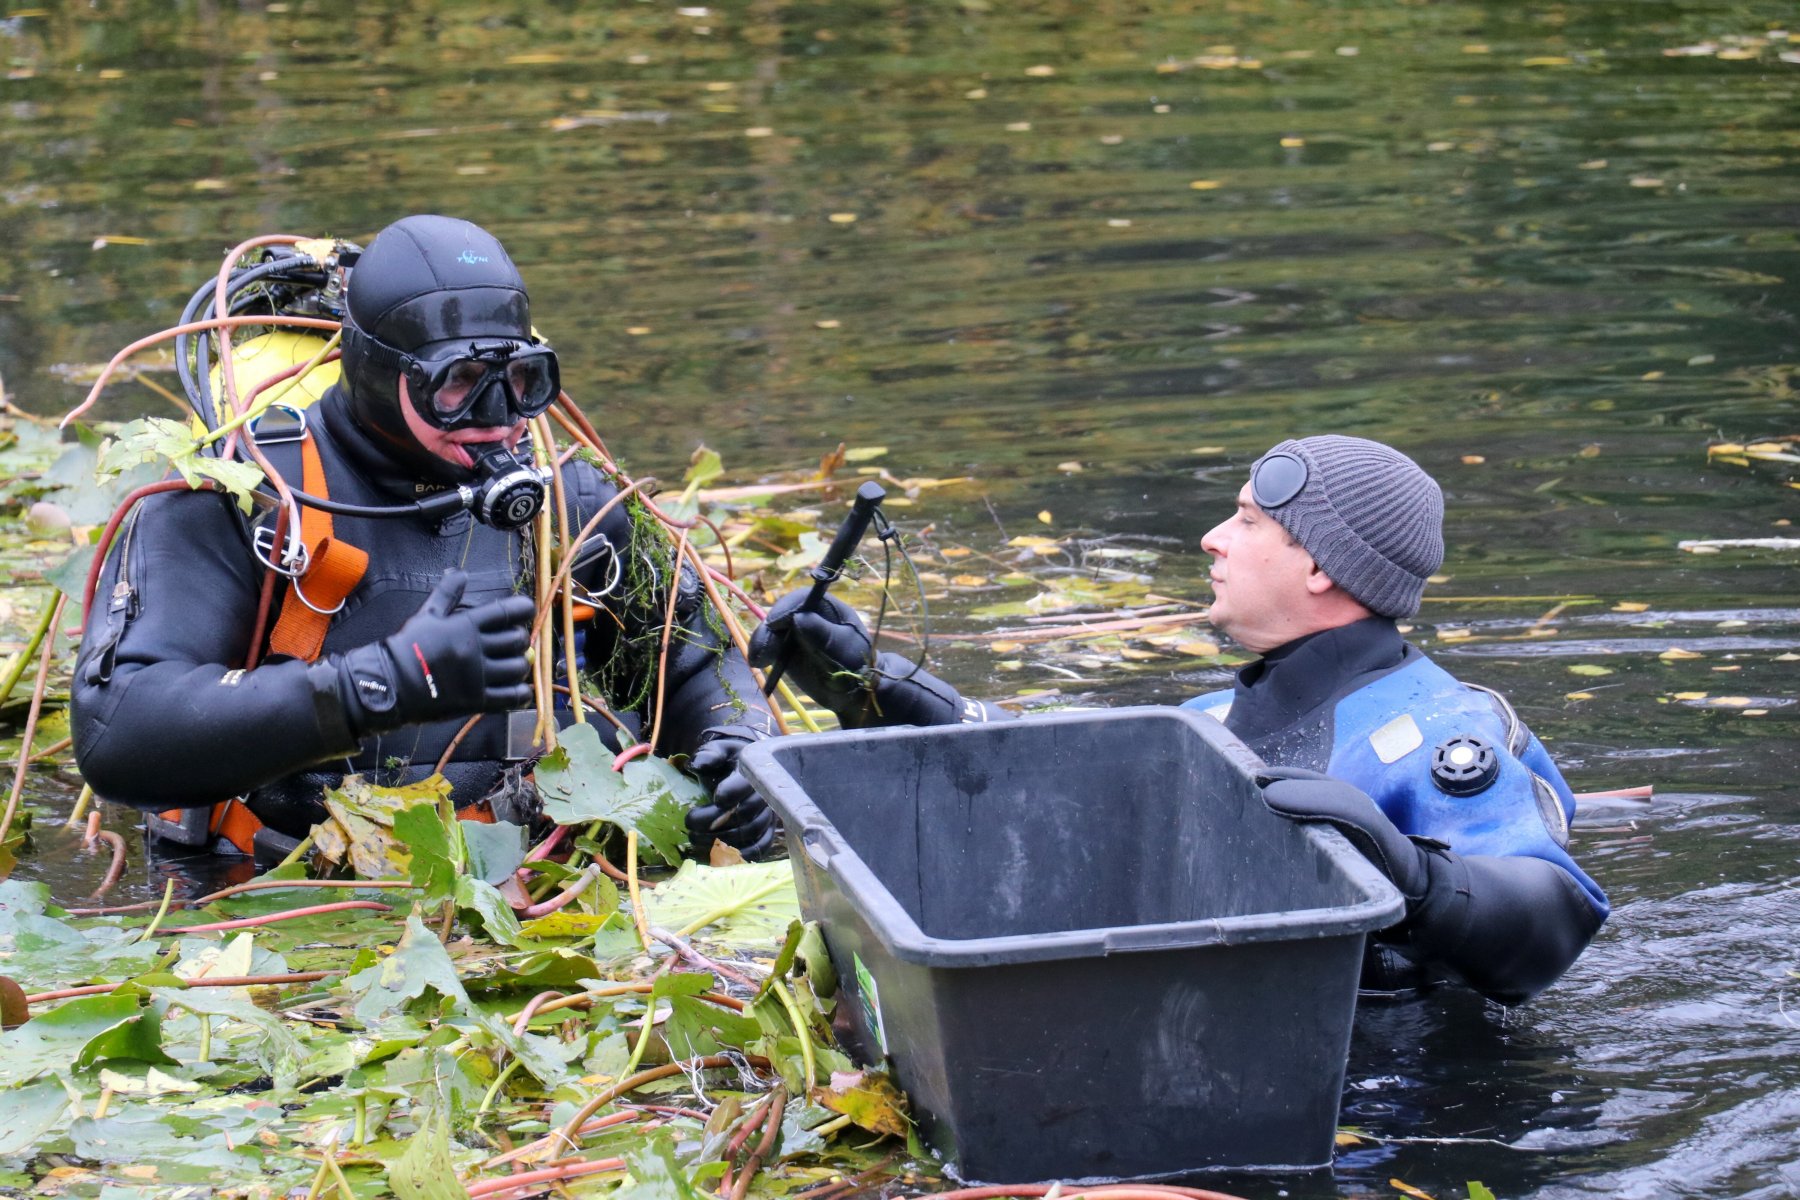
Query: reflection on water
1548	249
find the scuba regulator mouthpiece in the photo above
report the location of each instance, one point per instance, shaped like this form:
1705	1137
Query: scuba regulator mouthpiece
507	493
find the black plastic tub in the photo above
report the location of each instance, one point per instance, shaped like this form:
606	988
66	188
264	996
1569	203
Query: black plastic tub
1081	941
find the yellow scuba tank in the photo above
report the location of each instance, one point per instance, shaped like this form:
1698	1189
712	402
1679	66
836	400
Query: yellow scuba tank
264	357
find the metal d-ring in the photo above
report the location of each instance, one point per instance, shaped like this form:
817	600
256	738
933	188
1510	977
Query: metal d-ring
323	612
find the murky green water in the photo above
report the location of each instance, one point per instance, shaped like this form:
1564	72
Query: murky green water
1150	240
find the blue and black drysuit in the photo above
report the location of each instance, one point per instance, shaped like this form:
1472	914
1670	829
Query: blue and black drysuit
1499	903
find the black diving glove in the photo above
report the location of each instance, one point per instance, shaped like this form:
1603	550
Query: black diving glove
444	662
737	815
1508	926
829	654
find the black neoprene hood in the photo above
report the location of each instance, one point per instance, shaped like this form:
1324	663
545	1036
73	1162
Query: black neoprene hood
426	283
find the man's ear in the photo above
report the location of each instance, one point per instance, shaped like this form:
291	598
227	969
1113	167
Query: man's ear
1318	582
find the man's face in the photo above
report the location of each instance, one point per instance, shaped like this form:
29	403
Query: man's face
1260	578
459	445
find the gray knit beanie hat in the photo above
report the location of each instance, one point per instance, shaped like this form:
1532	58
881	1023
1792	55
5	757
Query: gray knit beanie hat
1370	517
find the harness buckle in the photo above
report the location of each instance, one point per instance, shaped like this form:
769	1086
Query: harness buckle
263	542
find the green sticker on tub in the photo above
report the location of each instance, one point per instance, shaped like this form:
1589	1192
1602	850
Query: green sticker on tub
871	1000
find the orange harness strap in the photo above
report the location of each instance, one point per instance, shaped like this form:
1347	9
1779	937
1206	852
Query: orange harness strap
333	570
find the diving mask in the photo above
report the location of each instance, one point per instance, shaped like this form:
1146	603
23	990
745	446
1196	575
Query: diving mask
481	382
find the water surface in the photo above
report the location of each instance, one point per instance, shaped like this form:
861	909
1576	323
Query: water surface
1548	248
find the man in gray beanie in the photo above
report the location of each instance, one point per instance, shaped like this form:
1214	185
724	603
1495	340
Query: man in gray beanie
1437	783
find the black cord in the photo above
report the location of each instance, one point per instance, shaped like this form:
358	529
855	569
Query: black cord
891	540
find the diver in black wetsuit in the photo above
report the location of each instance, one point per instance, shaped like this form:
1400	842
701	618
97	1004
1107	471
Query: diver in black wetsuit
1436	782
441	371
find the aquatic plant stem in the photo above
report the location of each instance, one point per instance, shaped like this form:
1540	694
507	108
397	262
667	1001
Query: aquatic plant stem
638	917
800	1031
487	1098
771	1127
255	885
31	718
15	669
97	989
311	911
117	867
531	1179
583	999
80	810
578	885
569	1131
566	600
149	931
668	633
175	331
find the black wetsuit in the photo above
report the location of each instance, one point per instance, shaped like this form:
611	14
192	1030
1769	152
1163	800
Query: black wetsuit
1362	705
164	718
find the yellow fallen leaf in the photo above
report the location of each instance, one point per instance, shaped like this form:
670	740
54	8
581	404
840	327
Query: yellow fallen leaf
1733	702
1292	143
827	323
1474	460
956	552
1119	222
969	580
535	59
1046	518
1206	185
1197	648
1007	647
1630	606
210	185
1578	695
1041	71
1400	1185
1594	164
1454	635
1688	696
1019	127
1071	467
975	94
1676	654
1135	655
637	330
1651	375
720	85
1159	108
1207	450
1591	450
842	218
1439	578
1754	712
1548	60
1645	181
1031	542
118	239
1475	48
1346	1138
758	131
864	453
112	73
139	1170
1728	670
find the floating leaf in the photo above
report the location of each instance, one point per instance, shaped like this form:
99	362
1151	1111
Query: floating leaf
751	903
1677	654
417	965
1630	606
425	1171
1401	1185
578	786
869	1099
1589	669
858	454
